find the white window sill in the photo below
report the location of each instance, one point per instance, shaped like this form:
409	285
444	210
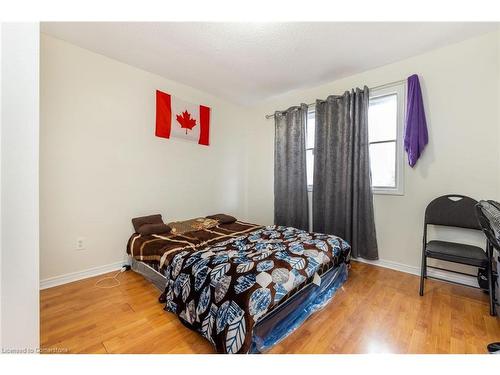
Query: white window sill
374	191
378	191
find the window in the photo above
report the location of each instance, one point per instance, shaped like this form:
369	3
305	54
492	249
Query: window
385	128
310	147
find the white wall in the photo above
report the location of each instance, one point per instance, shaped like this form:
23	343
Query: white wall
498	100
1	89
19	186
101	164
460	85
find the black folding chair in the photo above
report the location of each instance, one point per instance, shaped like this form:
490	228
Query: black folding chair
451	211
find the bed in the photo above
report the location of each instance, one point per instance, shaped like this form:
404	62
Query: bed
242	286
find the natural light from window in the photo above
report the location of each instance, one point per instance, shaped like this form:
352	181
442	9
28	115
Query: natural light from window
310	148
382	130
385	124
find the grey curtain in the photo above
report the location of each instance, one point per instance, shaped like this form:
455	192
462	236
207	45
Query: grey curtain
290	178
342	195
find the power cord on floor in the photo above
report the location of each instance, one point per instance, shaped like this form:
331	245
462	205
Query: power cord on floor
115	278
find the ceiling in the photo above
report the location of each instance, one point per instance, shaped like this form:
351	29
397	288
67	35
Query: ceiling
250	62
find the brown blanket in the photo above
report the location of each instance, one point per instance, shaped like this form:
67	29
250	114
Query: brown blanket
158	250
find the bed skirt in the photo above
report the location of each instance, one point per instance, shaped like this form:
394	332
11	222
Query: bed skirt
149	273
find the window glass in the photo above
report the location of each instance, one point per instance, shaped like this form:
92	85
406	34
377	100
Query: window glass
383	164
310	166
383	118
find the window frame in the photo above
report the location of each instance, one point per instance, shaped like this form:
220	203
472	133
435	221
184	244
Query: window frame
310	111
398	89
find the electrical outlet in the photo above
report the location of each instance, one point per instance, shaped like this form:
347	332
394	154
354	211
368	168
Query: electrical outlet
80	243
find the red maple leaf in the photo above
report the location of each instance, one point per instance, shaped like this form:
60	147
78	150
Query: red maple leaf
186	121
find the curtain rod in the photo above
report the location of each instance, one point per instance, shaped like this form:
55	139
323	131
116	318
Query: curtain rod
371	88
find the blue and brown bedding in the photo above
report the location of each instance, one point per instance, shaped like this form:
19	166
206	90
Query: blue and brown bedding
223	278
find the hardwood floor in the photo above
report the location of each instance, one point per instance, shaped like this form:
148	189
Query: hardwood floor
377	311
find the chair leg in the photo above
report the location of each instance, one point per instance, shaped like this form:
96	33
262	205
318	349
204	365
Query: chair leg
423	273
491	285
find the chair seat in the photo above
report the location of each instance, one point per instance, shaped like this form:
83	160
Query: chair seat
457	252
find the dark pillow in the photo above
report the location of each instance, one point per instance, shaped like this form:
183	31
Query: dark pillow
137	222
223	218
147	229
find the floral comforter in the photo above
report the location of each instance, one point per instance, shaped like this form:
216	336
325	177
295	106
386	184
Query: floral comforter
222	290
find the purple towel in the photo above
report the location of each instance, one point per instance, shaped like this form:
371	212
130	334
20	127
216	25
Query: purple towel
416	136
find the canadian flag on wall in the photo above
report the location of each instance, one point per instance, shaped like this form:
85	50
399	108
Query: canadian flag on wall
177	118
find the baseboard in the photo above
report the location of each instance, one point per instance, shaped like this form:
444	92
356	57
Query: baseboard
448	276
96	271
75	276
